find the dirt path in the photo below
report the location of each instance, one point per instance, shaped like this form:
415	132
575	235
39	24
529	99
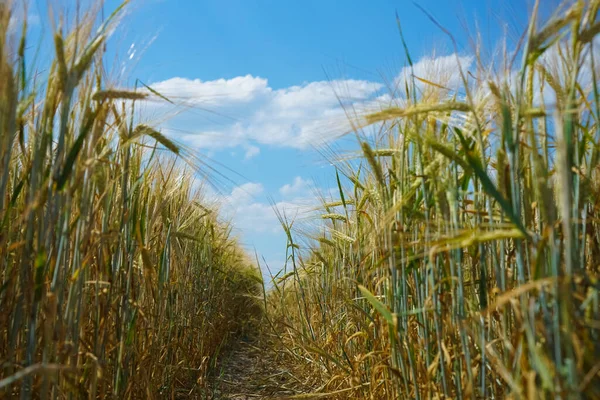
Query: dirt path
252	370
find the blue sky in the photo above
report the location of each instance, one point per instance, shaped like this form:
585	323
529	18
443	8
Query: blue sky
258	83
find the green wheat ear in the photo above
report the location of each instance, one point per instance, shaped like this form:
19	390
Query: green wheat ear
118	95
141	130
395	112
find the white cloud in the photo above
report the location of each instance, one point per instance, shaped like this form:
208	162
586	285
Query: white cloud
246	111
298	187
250	210
441	70
244	193
251	152
250	213
220	92
227	113
319	95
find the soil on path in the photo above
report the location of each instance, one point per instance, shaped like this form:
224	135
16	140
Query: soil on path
251	369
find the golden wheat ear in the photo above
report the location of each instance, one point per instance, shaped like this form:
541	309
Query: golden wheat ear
113	282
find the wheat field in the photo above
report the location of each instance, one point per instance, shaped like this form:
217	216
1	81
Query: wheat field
459	258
